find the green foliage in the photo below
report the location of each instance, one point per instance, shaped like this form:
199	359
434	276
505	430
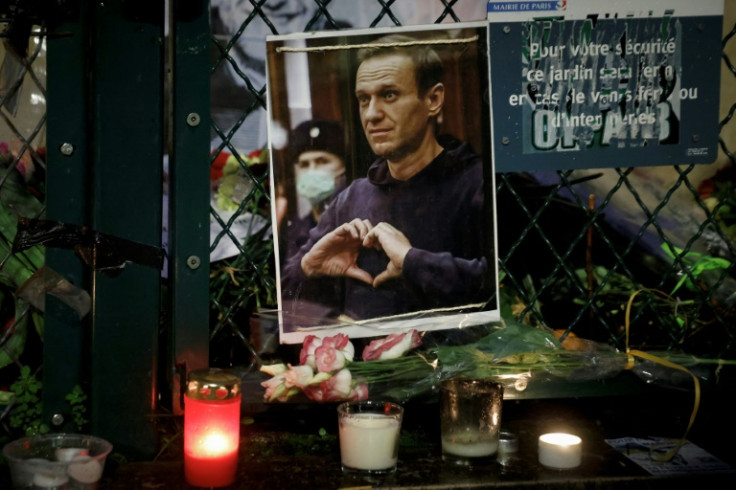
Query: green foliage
77	401
244	280
16	267
26	408
697	264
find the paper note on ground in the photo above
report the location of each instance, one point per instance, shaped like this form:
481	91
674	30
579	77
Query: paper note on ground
689	459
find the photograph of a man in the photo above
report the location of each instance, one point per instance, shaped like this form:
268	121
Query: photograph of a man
411	235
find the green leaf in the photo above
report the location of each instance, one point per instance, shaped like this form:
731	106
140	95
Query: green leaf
18	266
6	397
698	264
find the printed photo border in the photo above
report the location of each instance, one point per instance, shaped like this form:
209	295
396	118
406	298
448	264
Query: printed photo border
311	85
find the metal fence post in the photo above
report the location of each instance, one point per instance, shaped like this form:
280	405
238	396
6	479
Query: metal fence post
112	114
64	356
189	193
127	188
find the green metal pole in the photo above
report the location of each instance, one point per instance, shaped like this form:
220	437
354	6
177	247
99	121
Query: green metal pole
127	178
67	201
190	194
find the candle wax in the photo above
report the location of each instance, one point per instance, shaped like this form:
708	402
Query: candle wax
469	444
212	461
559	450
211	440
369	441
218	471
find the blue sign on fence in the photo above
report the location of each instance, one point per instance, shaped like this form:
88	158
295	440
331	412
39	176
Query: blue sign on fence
604	91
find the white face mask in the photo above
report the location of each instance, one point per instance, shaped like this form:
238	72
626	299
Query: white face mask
316	185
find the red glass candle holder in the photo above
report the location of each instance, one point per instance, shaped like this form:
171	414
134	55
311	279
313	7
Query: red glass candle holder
211	428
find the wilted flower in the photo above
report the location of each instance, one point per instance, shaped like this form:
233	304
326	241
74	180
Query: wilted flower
393	346
276	389
287	382
273	369
299	376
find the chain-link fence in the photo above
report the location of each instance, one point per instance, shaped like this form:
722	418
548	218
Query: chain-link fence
574	245
22	194
581	242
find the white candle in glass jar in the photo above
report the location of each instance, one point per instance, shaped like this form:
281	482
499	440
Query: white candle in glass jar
559	450
369	441
470	444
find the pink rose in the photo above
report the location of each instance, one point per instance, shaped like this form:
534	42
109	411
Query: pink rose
393	346
306	356
314	393
342	343
337	388
328	358
359	392
327	354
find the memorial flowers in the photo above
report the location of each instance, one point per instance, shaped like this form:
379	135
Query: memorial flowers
403	365
394	366
321	375
324	374
232	177
393	346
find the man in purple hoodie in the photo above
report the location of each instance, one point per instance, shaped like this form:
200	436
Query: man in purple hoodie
412	235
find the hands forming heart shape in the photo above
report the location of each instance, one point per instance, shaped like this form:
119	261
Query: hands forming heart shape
336	253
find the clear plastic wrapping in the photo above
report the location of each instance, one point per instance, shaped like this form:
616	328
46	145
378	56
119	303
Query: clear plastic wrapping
518	356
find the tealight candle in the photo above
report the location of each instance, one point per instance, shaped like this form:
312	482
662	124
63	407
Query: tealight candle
559	450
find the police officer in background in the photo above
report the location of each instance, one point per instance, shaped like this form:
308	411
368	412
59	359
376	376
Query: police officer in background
316	149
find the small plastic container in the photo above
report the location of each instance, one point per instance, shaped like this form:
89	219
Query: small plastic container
57	461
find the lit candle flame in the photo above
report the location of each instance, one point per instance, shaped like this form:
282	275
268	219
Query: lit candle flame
215	444
561	439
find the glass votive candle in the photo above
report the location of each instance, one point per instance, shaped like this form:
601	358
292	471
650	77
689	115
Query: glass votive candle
369	436
560	451
211	428
508	445
470	420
